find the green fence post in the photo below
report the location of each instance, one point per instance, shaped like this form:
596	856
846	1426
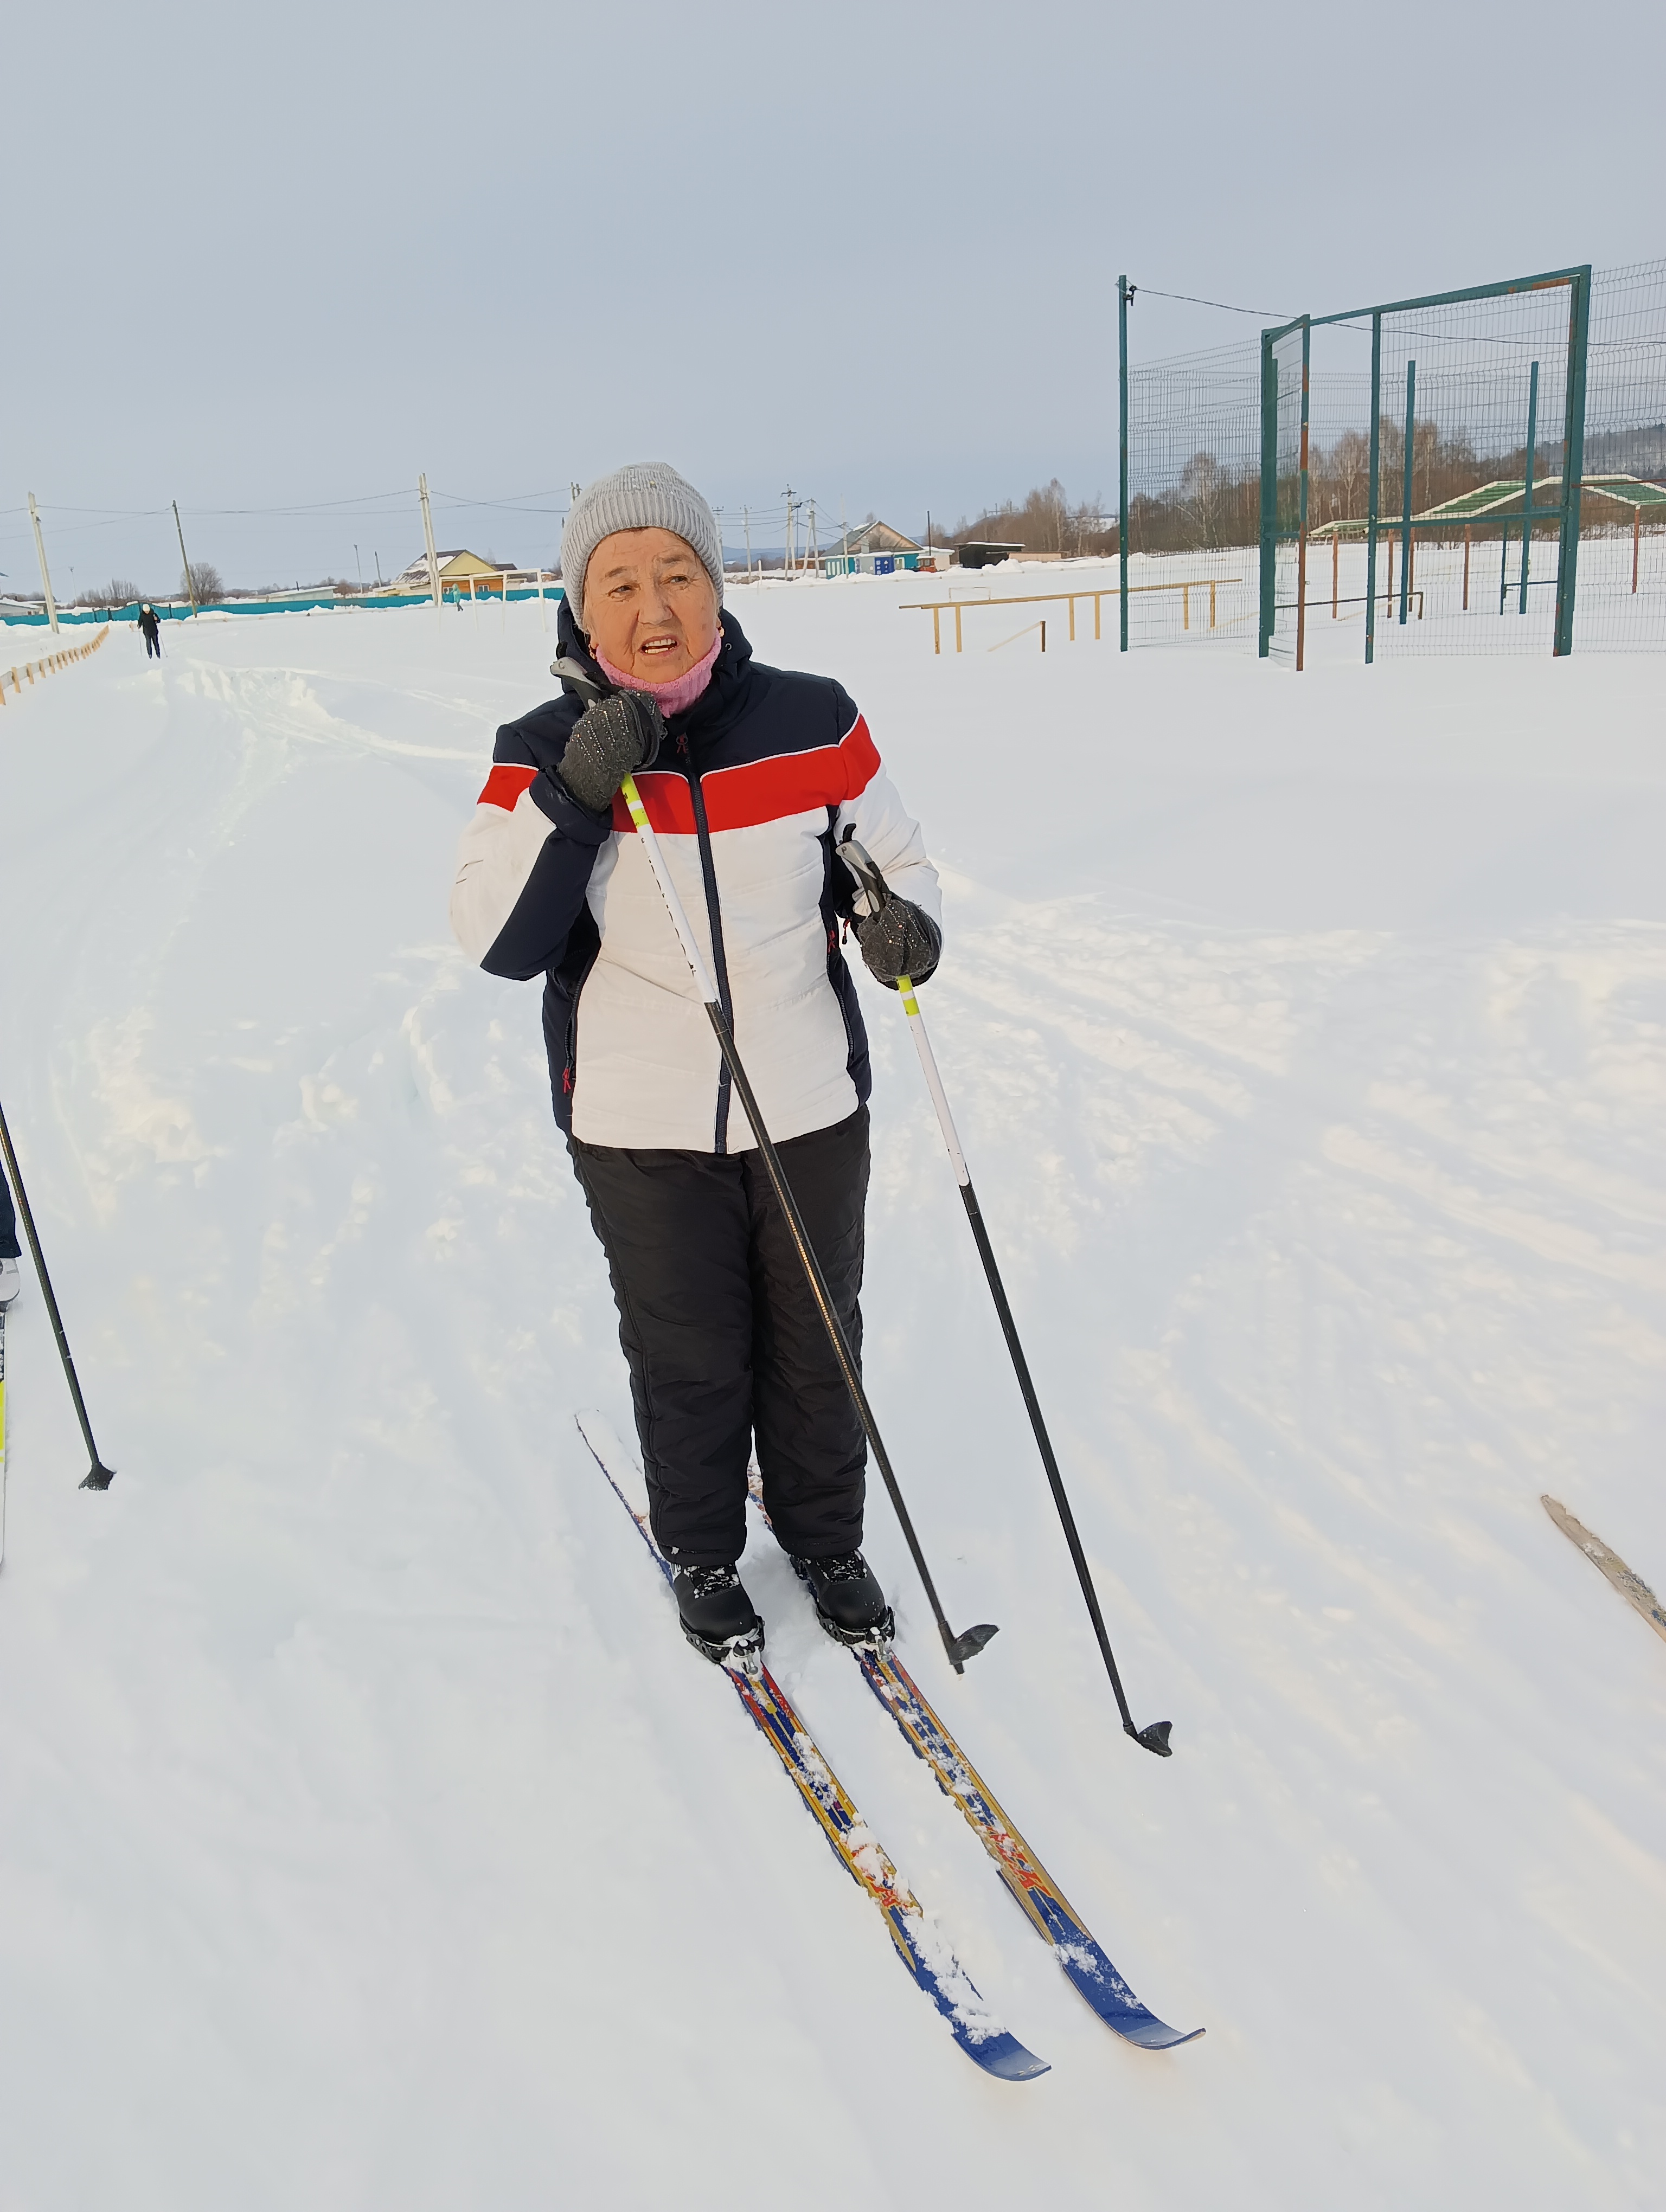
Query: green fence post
1527	488
1269	489
1574	457
1122	455
1301	515
1405	528
1370	509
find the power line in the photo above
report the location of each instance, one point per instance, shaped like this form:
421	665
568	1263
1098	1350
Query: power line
1225	306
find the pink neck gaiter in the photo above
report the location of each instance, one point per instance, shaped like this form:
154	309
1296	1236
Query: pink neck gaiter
682	690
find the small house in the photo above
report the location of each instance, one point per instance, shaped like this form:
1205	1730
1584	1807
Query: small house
460	571
874	549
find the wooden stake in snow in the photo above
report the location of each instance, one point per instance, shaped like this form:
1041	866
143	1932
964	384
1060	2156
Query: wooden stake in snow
1632	1588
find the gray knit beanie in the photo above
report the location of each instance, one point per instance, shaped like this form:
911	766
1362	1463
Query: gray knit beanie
642	495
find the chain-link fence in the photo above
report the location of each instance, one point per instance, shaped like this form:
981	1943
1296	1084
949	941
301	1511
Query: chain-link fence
1396	481
1621	603
1194	504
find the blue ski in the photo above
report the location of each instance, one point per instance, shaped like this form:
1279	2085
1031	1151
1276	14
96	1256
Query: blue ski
1042	1903
919	1945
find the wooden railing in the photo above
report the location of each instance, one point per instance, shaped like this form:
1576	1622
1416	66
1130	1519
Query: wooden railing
1185	586
53	662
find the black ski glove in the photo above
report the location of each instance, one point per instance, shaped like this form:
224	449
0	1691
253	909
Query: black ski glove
899	941
611	740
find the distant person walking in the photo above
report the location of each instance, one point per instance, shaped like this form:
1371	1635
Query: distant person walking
152	628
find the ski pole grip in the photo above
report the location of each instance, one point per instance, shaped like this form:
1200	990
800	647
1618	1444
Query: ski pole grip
868	875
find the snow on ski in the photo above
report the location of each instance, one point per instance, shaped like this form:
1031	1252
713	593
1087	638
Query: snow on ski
1042	1902
919	1944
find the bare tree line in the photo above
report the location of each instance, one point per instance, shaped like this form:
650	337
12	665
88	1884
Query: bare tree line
206	585
1214	503
1045	521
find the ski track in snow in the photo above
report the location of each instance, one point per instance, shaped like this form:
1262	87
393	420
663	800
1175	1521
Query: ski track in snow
368	1836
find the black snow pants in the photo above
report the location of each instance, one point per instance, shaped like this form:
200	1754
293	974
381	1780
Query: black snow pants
153	646
724	1341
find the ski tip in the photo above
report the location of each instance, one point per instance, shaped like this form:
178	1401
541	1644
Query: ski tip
1153	2034
1107	1995
1005	2057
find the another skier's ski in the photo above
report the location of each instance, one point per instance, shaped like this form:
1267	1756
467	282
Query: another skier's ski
919	1945
1043	1903
1632	1587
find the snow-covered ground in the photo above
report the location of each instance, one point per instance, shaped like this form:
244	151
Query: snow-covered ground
368	1837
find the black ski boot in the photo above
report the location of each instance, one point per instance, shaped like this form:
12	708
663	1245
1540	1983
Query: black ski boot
717	1618
849	1602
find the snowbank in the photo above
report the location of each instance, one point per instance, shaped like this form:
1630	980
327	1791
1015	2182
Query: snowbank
367	1836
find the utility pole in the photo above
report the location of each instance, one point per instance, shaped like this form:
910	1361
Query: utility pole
359	565
746	519
787	553
427	540
844	539
815	557
46	581
573	491
1124	294
190	586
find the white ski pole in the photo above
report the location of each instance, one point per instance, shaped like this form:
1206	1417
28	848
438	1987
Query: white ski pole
871	882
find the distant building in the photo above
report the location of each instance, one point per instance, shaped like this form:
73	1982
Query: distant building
458	569
873	549
989	552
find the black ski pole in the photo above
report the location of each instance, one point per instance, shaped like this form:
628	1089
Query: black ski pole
959	1648
98	1476
874	888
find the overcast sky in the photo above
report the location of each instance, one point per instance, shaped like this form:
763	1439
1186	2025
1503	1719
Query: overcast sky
273	258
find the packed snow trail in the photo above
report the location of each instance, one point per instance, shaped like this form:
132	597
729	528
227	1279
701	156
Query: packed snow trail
366	1836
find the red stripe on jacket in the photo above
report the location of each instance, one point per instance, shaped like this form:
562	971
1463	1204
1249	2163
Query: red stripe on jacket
759	790
505	785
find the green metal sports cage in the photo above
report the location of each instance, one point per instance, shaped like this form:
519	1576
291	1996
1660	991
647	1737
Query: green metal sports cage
1286	381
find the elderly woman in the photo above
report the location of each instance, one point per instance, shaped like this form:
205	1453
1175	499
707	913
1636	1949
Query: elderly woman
749	774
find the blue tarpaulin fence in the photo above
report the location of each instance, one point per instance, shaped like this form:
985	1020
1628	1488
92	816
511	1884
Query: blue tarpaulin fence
302	603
